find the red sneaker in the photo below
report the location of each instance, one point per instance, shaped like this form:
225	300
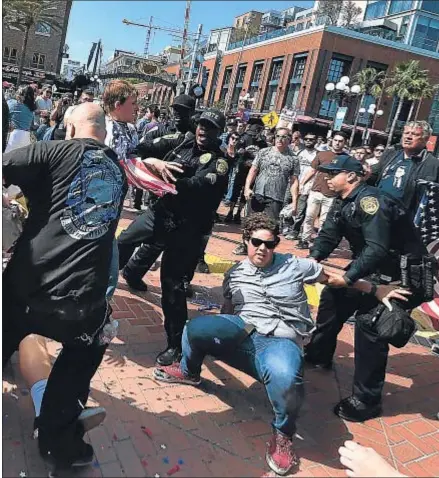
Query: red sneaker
174	374
280	455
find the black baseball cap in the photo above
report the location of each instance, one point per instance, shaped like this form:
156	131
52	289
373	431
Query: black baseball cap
343	162
184	101
215	117
232	122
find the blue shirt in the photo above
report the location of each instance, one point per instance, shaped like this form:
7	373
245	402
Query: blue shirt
273	299
21	117
395	177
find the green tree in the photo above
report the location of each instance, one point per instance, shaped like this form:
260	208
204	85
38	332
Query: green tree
371	82
248	31
339	12
422	89
407	82
26	14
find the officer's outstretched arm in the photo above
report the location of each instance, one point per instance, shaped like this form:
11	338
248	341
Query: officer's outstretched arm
213	177
376	223
156	149
329	236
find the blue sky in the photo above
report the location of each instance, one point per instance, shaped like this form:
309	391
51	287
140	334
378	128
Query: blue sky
91	20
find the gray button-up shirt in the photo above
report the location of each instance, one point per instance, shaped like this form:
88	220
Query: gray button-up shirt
273	299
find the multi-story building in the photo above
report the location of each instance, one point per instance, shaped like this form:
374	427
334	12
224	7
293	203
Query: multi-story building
120	61
271	20
292	69
414	22
252	19
44	53
219	39
70	68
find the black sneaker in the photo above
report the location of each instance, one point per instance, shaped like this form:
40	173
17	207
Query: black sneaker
229	218
303	245
89	418
134	283
169	356
82	455
354	410
202	267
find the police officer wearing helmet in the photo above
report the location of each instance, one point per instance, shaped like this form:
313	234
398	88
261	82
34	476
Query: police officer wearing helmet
183	108
380	233
179	221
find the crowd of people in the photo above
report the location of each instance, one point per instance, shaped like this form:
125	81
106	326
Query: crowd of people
73	176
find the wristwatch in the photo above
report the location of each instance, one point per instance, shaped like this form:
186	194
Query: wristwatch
373	290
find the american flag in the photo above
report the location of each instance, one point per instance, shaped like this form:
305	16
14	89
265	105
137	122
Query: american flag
427	221
139	176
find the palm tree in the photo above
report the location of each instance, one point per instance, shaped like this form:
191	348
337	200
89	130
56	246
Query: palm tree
407	80
422	89
371	83
25	14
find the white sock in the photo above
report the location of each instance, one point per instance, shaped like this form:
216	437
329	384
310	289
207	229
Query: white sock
37	392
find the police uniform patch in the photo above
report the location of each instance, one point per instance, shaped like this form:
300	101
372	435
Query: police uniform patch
369	205
222	167
171	136
205	158
211	177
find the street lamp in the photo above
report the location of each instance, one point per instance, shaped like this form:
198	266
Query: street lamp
372	113
341	92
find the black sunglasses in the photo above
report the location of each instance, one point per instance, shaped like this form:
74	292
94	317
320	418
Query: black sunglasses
268	244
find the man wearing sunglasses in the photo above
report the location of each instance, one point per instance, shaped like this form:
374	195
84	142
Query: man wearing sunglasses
379	232
179	222
263	325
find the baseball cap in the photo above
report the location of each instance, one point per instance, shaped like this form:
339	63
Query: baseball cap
232	122
215	117
253	130
184	101
343	162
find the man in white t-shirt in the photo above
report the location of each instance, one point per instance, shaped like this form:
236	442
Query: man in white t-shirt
305	157
44	104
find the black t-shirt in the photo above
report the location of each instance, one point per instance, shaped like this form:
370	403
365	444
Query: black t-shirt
75	191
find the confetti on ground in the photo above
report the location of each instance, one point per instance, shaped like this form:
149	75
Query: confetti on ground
114	437
173	470
22	474
156	475
144	462
166	460
96	464
180	461
146	431
13	395
163	447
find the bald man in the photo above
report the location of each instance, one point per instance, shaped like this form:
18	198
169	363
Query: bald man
56	281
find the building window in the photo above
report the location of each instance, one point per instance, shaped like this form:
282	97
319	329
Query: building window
38	61
338	67
10	55
42	28
238	85
257	73
271	94
295	83
426	34
397	6
433	118
430	6
226	81
376	10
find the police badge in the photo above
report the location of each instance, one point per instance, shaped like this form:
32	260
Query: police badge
205	158
369	205
222	167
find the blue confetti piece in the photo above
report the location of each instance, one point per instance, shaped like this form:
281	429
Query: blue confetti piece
180	461
166	460
96	464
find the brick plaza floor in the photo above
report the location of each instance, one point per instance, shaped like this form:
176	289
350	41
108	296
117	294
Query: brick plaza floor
220	428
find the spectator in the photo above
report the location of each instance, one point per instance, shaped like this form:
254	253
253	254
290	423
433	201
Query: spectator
240	173
230	128
377	153
21	117
149	121
321	144
42	129
44	104
240	127
359	154
320	197
296	143
306	156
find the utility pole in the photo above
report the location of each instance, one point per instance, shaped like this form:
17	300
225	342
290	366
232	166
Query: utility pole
148	37
97	54
187	15
194	58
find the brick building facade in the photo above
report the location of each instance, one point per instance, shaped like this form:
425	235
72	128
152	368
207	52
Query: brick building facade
44	50
292	70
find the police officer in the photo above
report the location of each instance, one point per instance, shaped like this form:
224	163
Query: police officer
183	108
379	232
178	222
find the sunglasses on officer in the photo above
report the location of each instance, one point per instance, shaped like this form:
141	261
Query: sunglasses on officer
268	244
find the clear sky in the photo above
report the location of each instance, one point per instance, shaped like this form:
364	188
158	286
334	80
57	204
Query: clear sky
94	20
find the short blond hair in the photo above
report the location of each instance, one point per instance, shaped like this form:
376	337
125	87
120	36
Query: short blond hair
117	90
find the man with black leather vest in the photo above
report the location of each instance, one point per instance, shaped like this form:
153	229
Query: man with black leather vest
380	233
179	222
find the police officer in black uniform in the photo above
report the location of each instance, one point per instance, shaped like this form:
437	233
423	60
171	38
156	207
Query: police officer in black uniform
180	221
183	108
379	232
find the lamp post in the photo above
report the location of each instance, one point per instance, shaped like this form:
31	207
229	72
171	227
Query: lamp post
342	93
371	114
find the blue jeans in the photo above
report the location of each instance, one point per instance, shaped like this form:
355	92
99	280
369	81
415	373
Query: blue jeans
275	362
232	176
